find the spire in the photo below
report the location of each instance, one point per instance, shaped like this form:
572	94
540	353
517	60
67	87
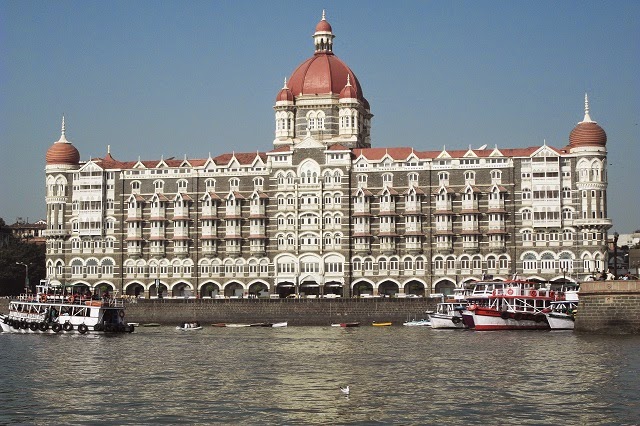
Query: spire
109	149
63	139
324	17
348	79
285	83
587	118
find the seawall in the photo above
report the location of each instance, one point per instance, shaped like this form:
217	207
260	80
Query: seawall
609	307
295	311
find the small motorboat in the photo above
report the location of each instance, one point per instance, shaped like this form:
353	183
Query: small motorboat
219	324
189	326
232	325
418	323
346	324
279	324
135	324
381	324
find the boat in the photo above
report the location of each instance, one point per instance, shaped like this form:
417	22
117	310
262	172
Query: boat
417	323
135	324
219	324
381	324
346	324
57	309
279	324
151	324
508	305
561	315
189	326
232	325
448	314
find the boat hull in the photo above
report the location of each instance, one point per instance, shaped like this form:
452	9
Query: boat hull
446	321
346	324
560	321
492	321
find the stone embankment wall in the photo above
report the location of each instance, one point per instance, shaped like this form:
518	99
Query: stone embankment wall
295	311
611	307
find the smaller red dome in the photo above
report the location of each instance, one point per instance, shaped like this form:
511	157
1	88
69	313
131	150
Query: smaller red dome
587	133
348	92
62	153
323	26
285	94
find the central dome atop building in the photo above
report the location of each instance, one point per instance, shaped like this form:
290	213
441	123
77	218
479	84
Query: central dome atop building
323	73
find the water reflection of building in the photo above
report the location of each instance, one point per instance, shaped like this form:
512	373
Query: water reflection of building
324	212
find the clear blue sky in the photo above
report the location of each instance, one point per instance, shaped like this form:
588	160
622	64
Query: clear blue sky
153	78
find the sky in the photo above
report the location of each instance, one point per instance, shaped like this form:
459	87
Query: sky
175	78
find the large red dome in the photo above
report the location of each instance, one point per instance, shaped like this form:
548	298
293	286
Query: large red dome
321	74
587	133
62	153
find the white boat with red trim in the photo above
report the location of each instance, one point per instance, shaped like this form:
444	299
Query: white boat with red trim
56	309
508	305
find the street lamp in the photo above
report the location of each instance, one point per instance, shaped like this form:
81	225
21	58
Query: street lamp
26	276
615	255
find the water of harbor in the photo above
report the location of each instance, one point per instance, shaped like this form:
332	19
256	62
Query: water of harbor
397	375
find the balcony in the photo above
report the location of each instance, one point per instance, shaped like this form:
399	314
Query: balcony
157	251
360	208
183	250
443	205
444	227
470	246
497	245
233	250
444	247
388	208
257	210
362	247
593	222
233	211
412	208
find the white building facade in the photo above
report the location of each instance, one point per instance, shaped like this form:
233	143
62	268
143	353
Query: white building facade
324	213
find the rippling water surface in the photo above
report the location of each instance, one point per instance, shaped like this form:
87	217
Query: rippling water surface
401	375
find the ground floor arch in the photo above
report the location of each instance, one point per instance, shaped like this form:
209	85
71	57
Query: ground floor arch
233	289
309	288
134	289
258	289
209	289
415	288
362	288
285	289
388	288
182	289
445	286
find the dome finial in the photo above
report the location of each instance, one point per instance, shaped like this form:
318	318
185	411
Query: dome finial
348	80
63	138
587	118
324	17
285	83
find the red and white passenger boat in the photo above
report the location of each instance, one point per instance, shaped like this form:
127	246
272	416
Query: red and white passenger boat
55	309
508	305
